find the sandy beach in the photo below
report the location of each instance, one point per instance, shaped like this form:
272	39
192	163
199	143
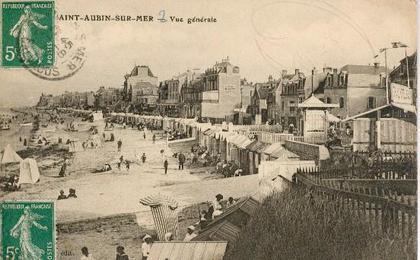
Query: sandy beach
118	191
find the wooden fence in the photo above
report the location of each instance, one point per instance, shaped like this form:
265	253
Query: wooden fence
385	165
385	211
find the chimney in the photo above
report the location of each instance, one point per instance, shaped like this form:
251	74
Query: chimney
296	71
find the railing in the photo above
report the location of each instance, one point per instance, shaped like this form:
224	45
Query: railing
386	211
395	169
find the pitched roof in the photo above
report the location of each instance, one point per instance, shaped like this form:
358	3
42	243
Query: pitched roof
278	151
135	71
178	250
314	102
224	231
157	200
318	79
248	205
256	146
363	69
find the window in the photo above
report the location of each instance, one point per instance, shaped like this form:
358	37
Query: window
341	102
328	100
282	105
371	102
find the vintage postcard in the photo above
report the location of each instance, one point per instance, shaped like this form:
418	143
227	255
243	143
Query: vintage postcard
208	129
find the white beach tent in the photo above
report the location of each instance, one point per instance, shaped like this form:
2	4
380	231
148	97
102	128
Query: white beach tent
97	116
29	172
9	155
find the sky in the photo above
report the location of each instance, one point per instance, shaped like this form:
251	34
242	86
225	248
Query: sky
261	37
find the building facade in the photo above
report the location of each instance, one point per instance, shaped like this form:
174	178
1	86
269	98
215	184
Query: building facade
292	93
141	89
356	88
221	92
406	73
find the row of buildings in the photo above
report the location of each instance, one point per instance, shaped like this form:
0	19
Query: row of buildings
220	94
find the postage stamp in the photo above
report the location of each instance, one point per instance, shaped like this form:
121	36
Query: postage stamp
27	34
28	230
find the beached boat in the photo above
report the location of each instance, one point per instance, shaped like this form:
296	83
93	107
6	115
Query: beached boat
5	127
26	124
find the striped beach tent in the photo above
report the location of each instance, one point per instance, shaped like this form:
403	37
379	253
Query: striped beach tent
164	213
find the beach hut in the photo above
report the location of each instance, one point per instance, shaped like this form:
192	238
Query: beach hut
238	214
178	250
224	231
164	213
28	172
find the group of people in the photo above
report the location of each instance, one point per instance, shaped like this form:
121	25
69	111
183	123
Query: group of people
228	169
62	196
11	183
120	250
215	209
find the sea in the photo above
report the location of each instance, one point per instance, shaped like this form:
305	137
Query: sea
17	133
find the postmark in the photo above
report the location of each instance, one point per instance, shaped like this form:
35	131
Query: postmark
28	230
28	34
70	53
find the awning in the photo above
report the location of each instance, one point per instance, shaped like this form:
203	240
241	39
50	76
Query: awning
209	132
332	118
256	146
276	150
404	107
240	141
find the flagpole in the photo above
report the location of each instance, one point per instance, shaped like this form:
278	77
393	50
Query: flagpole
408	69
386	78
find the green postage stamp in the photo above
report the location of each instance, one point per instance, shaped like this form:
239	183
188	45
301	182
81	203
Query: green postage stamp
27	230
27	34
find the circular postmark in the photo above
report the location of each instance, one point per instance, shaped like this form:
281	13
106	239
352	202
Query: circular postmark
70	53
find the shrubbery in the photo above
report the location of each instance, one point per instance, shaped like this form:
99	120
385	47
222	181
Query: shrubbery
290	225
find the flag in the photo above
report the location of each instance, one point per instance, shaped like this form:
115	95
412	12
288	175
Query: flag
398	45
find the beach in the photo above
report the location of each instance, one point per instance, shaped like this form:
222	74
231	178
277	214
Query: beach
117	191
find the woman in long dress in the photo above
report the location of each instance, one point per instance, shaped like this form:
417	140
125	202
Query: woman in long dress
29	51
22	229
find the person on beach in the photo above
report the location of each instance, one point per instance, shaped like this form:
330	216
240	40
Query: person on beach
144	135
119	144
190	234
154	138
62	196
121	255
217	205
85	254
181	161
127	165
165	165
143	158
72	193
146	246
63	169
230	202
